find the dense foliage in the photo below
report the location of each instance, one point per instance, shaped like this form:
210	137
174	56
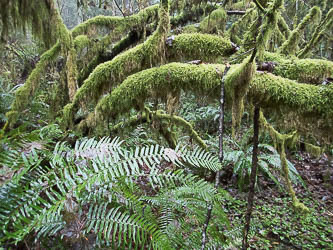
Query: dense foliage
143	76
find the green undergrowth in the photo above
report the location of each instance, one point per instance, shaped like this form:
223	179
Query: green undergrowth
274	225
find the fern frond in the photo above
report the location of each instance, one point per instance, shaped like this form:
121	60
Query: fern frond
199	158
115	225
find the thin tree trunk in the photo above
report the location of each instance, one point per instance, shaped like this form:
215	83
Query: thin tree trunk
221	156
253	176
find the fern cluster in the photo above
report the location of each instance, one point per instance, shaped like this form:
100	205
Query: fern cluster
120	197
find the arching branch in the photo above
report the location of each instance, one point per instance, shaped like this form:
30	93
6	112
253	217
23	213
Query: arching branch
268	91
160	115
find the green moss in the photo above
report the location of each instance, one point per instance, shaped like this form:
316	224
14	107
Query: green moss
237	83
273	91
317	35
194	46
283	27
81	42
179	121
117	24
268	26
71	73
12	116
313	150
214	22
312	71
157	82
24	94
190	29
149	53
290	46
266	90
279	143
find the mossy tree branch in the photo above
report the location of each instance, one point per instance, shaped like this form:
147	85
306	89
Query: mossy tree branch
268	91
118	25
289	47
144	56
269	24
24	93
152	51
317	35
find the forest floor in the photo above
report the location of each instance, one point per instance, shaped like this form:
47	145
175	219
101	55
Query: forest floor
275	225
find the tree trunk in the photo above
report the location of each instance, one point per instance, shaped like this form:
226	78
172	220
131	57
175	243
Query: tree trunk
253	176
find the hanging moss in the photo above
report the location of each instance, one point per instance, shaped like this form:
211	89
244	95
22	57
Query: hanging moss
22	14
268	26
289	47
189	46
214	22
237	83
273	91
279	143
157	82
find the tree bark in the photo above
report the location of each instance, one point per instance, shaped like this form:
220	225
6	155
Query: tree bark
236	12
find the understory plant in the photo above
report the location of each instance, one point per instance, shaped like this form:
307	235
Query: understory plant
239	155
100	193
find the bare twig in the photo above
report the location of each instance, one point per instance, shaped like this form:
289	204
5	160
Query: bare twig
115	1
221	156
